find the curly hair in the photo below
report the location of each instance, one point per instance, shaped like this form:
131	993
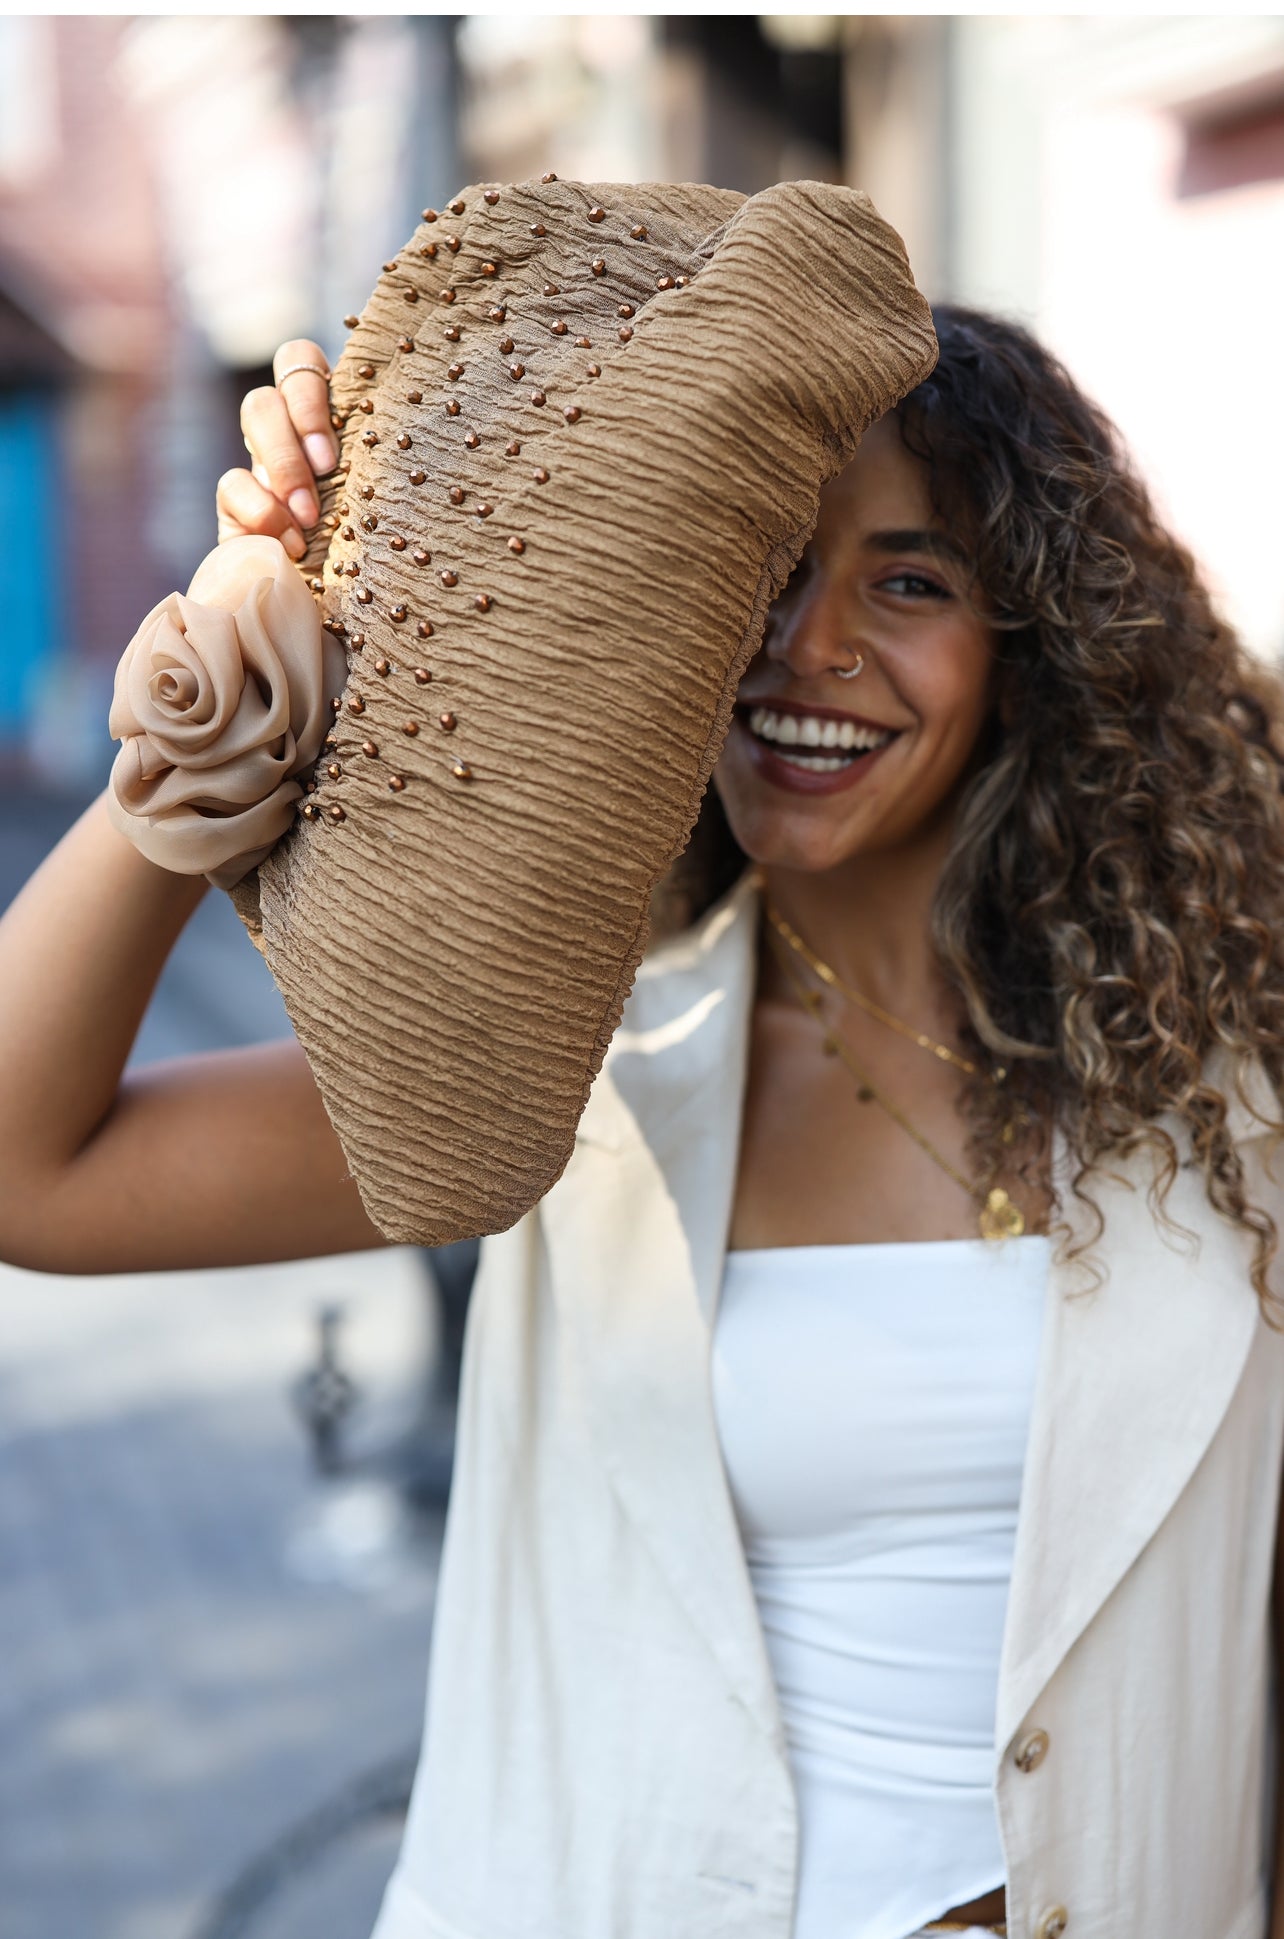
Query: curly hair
1112	908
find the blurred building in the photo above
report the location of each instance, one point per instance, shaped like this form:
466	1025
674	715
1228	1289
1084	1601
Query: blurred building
179	194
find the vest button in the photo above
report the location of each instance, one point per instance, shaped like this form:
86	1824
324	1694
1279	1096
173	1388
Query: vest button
1031	1751
1053	1923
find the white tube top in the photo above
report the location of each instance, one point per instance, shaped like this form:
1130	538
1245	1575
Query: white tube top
873	1403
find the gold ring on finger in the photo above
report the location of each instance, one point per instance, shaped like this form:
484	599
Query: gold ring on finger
290	369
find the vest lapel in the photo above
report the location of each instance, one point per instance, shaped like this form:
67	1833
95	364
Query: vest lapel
1135	1376
636	1231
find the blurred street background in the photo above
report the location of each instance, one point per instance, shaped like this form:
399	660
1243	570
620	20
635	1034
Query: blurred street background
213	1644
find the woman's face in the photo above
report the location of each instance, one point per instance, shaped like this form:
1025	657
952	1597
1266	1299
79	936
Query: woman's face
816	769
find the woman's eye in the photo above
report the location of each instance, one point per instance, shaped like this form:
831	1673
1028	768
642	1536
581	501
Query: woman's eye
913	585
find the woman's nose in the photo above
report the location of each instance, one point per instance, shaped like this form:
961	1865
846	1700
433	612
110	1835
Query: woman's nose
806	632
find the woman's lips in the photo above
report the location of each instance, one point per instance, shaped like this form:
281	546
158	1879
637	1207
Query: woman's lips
772	764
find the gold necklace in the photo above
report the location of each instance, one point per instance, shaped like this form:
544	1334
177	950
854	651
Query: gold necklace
998	1217
867	1003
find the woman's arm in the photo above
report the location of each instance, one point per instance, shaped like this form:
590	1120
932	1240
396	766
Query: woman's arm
214	1160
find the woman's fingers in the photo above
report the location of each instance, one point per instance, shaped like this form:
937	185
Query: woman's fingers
277	454
246	505
301	374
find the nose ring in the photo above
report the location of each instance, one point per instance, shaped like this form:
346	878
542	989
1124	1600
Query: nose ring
849	673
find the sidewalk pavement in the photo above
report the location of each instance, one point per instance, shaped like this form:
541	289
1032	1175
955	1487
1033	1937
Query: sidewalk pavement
202	1641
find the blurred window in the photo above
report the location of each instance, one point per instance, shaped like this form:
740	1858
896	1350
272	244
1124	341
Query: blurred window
1233	148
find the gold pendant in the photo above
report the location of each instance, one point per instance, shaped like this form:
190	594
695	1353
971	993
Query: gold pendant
1000	1218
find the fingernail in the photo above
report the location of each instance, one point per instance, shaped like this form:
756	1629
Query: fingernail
293	541
322	455
304	506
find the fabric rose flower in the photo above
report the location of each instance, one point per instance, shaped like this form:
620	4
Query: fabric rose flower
221	703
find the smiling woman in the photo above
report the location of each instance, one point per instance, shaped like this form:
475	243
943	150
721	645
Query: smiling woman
858	1462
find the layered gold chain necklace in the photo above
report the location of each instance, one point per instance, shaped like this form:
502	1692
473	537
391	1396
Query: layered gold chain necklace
997	1217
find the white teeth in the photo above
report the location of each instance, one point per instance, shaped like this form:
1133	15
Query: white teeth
816	763
811	731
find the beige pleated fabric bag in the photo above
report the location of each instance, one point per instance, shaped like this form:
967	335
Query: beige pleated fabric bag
584	433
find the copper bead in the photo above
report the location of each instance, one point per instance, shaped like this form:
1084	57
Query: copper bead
421	556
336	813
462	771
498	314
418	477
456	494
550	177
429	215
638	232
599	267
664	283
396	783
455	372
513	450
422	676
410	727
538	398
483	510
491	197
595	370
428	249
334	770
453	408
540	475
517	372
311	811
625	309
506	346
370	439
366	405
449	578
538	229
397	544
472	440
414	397
364	595
551	289
624	333
370	523
399	613
456	207
572	414
365	370
451	333
489	269
351	322
597	215
452	243
371	749
482	602
383	666
517	545
559	328
367	491
583	343
447	296
411	295
406	343
356	705
448	722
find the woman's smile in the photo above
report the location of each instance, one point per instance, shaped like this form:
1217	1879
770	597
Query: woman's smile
809	749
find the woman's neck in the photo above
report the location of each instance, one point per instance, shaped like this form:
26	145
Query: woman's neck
870	920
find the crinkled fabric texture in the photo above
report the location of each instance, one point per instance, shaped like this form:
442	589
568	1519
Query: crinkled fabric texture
220	703
585	430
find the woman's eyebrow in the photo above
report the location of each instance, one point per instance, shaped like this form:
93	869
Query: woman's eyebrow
939	543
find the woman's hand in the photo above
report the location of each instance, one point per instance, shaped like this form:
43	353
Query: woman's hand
287	432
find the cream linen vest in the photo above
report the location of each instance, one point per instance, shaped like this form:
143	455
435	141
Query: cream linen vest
603	1756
